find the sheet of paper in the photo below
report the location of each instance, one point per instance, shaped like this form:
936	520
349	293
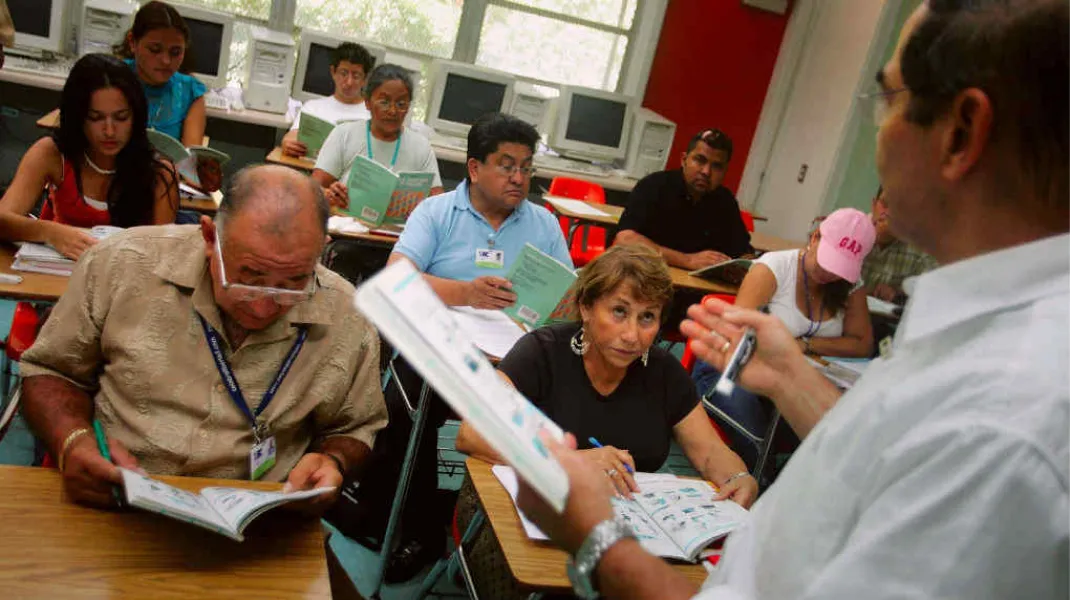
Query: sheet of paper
190	191
881	307
492	330
578	207
507	477
343	224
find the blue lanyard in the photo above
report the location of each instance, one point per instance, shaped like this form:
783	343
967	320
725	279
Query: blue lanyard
371	154
811	330
231	382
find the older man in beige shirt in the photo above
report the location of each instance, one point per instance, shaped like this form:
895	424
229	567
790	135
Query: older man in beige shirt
131	343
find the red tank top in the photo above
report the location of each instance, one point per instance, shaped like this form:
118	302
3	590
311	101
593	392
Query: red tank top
65	205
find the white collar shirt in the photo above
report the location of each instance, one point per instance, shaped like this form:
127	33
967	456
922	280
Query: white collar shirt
943	472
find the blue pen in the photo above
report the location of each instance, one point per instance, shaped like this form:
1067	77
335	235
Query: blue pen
598	444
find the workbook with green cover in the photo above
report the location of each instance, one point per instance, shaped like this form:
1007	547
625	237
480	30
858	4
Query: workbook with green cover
185	159
731	272
539	281
312	131
374	189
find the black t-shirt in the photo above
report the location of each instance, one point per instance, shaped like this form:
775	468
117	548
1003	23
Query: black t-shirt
660	209
638	416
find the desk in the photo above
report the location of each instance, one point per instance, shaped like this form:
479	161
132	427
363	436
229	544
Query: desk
535	565
681	280
34	286
276	156
202	205
52	548
769	243
611	218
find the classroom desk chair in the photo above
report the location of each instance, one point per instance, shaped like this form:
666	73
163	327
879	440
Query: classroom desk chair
591	241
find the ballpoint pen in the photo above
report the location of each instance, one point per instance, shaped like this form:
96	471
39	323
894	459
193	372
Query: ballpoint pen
598	444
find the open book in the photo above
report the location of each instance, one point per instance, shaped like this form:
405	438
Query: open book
672	517
221	509
731	272
411	317
539	281
377	194
41	258
843	372
312	131
185	159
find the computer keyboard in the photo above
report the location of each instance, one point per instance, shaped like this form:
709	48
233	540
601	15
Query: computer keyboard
557	163
59	67
217	101
448	141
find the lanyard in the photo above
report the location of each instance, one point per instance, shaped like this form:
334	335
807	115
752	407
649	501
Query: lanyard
371	154
811	330
231	382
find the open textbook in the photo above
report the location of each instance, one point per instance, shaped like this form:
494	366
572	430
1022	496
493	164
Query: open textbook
731	272
411	317
221	509
672	517
539	281
378	195
185	159
41	258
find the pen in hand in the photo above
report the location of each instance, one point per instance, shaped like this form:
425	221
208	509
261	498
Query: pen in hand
102	446
594	442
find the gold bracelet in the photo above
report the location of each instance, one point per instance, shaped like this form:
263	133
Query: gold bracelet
735	477
67	441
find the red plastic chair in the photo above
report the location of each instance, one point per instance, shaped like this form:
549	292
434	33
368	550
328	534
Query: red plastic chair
748	220
25	323
588	241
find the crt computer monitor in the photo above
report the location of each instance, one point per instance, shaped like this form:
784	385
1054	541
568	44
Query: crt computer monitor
210	34
462	93
38	24
312	78
592	124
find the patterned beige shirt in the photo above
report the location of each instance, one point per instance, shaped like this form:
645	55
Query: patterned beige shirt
127	332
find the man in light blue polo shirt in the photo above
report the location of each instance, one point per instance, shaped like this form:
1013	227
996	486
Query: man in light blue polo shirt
464	241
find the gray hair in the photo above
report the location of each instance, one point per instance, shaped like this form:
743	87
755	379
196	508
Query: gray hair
249	182
384	73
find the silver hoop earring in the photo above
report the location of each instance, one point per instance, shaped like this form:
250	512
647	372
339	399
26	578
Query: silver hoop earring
646	356
579	345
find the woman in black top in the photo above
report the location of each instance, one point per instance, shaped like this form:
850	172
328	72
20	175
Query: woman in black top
603	378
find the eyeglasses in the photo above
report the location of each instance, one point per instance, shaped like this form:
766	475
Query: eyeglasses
880	101
400	105
347	74
510	170
252	293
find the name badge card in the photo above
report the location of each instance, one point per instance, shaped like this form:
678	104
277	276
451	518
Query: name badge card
262	458
490	259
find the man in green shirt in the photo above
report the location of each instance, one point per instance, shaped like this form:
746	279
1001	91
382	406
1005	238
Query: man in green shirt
892	260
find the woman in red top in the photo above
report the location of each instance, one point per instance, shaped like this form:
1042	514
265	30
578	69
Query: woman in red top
98	167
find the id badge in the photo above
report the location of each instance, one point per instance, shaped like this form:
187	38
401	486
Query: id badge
262	458
490	259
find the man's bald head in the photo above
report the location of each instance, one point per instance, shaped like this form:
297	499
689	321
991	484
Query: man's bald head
280	199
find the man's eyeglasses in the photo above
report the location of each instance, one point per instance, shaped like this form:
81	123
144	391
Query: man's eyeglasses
880	101
400	105
347	74
510	170
241	292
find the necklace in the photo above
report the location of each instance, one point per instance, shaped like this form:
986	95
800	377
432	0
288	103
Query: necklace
815	325
93	166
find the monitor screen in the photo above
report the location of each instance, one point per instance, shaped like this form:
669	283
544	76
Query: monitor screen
31	17
465	99
318	71
205	41
596	120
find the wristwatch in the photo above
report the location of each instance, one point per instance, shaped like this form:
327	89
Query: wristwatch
581	566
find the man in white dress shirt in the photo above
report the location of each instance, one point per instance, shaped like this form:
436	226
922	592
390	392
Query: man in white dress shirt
944	472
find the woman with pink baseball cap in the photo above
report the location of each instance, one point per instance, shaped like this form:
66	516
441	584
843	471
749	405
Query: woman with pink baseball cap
818	293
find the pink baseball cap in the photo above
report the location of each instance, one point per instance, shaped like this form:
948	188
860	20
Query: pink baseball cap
847	236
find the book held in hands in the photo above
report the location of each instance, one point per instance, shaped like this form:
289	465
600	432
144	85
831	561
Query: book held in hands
540	282
185	159
378	195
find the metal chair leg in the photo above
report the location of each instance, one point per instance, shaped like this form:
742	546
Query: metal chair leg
419	421
766	446
447	565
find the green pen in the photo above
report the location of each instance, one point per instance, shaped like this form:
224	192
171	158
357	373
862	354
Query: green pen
102	445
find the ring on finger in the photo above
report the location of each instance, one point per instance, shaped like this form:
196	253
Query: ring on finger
611	473
727	344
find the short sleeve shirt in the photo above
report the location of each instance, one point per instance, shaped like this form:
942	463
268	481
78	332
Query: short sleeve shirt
348	140
444	232
660	209
638	416
170	103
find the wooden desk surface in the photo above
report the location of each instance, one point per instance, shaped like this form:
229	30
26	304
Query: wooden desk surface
276	156
612	211
680	279
769	243
49	121
53	548
536	565
34	286
201	205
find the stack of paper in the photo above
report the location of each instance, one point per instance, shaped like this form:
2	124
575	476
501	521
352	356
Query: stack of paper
492	331
39	258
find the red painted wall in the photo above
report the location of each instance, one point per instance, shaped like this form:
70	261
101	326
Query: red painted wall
712	69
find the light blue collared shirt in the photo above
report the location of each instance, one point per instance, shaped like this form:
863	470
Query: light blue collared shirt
442	235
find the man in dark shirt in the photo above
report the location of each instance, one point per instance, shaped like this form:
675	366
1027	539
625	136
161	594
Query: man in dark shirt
686	214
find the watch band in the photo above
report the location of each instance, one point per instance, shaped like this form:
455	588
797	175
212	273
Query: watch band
599	540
